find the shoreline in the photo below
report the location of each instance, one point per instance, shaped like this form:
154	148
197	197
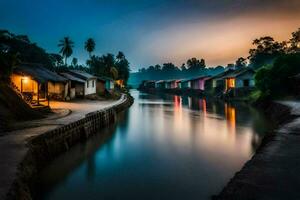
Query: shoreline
43	148
267	175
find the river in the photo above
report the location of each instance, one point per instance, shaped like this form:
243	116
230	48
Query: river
163	147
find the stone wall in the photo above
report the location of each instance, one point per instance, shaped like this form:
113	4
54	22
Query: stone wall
46	147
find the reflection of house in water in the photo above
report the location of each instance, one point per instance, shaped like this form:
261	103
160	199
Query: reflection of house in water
230	115
197	104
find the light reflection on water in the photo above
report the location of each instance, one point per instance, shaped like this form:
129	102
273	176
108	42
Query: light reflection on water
164	147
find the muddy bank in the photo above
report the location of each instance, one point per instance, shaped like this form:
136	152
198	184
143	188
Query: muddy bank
273	172
44	148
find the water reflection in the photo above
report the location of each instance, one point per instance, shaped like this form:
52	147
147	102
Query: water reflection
164	147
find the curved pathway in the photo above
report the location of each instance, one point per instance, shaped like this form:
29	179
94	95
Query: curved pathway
13	144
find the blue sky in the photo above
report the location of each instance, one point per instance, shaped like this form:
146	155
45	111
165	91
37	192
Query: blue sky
153	31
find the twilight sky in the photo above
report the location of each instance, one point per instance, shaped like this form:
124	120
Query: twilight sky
153	31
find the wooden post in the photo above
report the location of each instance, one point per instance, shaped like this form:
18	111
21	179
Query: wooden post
38	94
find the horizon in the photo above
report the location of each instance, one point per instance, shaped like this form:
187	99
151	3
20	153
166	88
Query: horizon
154	32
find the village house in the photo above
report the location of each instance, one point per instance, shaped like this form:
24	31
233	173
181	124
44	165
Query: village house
216	83
90	81
174	84
148	84
241	78
185	84
76	85
38	84
160	84
104	84
198	83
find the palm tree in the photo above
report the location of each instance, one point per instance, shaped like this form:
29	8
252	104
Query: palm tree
66	45
74	62
90	46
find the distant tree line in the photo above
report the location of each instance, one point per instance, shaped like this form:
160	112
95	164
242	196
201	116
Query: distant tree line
19	48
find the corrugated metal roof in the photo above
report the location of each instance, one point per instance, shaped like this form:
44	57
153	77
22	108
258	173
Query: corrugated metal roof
38	73
72	78
238	72
81	74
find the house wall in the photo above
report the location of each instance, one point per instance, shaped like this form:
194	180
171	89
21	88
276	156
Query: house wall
186	84
100	87
29	85
246	76
90	87
58	90
79	89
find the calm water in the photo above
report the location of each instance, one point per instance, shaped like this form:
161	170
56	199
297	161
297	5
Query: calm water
163	147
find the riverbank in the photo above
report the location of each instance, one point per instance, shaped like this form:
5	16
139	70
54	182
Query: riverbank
33	148
273	172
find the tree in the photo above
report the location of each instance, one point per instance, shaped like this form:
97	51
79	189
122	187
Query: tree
66	50
240	63
277	80
122	65
56	59
90	46
74	62
295	42
265	52
27	51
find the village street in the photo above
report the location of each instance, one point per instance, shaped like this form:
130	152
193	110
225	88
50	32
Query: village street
13	144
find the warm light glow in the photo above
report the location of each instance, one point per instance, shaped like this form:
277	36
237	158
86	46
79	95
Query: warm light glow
25	80
230	83
230	116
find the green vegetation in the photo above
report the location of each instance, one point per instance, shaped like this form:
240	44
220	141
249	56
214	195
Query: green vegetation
66	45
278	80
90	46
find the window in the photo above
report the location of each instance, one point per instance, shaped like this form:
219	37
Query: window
246	83
88	84
93	83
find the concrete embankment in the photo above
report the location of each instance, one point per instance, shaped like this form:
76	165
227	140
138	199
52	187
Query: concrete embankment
273	172
45	147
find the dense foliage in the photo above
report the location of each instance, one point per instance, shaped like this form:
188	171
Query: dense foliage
28	52
278	80
110	66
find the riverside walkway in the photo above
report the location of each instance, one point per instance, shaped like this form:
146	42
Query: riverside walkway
274	172
13	144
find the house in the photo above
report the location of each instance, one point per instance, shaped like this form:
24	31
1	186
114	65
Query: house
89	81
76	85
198	83
148	84
216	83
186	84
104	84
160	84
241	78
36	83
174	84
109	83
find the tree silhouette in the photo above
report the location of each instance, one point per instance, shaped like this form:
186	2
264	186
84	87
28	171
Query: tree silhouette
295	42
90	46
240	63
74	62
66	45
267	49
